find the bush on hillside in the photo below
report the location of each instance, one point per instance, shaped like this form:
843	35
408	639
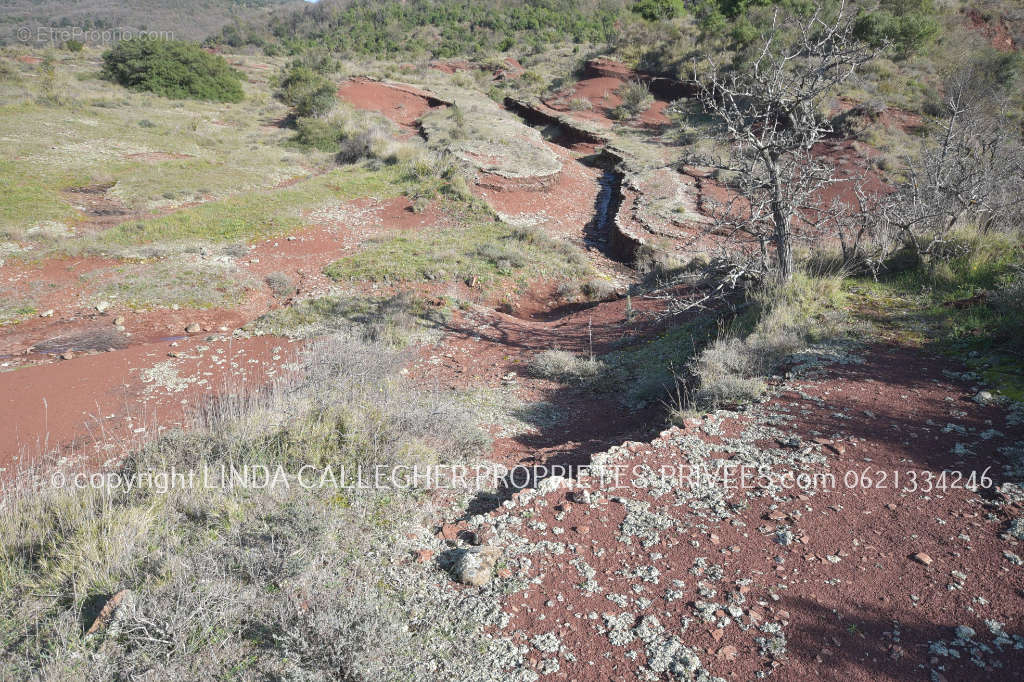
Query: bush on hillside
636	99
172	68
658	10
319	133
905	25
307	91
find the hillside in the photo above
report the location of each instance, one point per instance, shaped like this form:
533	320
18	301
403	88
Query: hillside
444	339
95	21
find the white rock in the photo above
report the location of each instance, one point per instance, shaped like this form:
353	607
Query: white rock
476	565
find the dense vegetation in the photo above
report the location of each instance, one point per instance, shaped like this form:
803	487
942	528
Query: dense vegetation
86	20
439	28
172	68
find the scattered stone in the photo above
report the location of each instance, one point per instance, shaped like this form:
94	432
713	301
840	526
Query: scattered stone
983	398
102	306
1016	529
422	556
193	328
46	313
113	612
553	483
922	558
475	565
119	321
67	355
450	531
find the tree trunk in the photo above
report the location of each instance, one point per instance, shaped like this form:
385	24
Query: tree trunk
780	216
783	245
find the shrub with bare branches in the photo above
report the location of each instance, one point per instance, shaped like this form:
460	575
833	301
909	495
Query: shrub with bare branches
769	113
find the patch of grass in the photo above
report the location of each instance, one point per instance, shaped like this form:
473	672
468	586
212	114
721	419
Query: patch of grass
512	416
12	312
646	372
561	365
776	322
638	374
486	251
395	321
24	201
255	214
280	283
216	573
968	306
167	283
143	145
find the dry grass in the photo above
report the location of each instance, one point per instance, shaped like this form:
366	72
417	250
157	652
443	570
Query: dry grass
275	582
779	322
560	365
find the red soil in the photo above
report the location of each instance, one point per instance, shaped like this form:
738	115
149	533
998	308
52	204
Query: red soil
93	409
403	105
562	206
868	612
994	30
604	78
103	375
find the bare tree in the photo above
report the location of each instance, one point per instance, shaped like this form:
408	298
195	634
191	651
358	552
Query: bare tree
769	114
971	170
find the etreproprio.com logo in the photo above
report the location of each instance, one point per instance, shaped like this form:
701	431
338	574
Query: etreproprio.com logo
63	34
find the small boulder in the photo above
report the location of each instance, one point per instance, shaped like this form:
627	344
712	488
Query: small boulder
113	612
46	313
553	483
475	565
193	328
983	398
102	306
119	321
922	558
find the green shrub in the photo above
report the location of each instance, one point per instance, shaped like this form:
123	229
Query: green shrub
319	134
74	45
636	99
307	91
906	25
658	10
355	148
172	68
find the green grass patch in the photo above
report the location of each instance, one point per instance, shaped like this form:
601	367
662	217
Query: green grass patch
395	320
167	283
487	251
969	306
646	372
12	312
256	214
24	201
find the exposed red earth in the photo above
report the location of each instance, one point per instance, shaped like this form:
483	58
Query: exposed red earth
403	105
104	372
868	577
92	409
995	30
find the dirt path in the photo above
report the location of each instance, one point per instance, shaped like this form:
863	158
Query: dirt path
91	410
631	572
